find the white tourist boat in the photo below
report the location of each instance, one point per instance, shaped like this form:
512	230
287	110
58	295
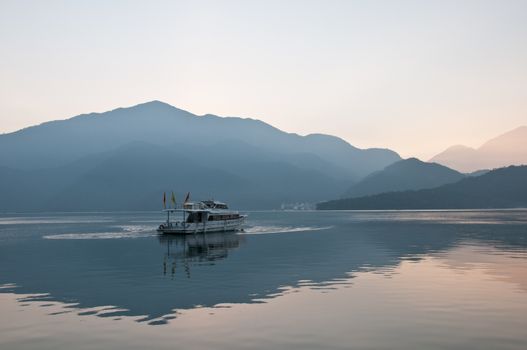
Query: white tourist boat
202	217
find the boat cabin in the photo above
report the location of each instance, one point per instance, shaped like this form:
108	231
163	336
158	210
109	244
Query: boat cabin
206	215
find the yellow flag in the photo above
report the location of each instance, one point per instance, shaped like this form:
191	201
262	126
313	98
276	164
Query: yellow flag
173	199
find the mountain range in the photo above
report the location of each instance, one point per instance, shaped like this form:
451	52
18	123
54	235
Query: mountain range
507	149
126	158
499	188
407	174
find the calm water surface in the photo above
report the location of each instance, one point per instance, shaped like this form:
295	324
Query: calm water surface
293	280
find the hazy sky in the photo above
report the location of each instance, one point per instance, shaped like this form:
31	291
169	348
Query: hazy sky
414	76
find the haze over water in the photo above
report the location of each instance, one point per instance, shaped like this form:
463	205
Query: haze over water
300	280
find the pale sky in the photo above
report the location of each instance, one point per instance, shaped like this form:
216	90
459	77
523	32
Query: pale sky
413	76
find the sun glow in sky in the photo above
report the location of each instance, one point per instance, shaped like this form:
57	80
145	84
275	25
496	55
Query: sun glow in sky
413	76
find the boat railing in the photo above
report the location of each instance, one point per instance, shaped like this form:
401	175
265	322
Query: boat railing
189	206
186	206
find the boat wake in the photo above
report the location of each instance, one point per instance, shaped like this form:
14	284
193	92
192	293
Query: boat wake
260	230
126	231
141	231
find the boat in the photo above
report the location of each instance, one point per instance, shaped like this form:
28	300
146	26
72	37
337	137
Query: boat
202	217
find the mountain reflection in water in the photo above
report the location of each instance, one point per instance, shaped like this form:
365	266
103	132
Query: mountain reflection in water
155	276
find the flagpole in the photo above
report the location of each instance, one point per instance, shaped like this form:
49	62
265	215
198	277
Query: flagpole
165	207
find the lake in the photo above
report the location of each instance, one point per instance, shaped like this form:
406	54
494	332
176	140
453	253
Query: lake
292	280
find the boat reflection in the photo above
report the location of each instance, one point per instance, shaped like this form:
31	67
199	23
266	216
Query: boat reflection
199	248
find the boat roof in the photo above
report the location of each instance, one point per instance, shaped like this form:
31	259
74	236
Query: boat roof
207	210
209	206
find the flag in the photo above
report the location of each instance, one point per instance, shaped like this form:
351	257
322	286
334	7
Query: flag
173	199
187	197
164	200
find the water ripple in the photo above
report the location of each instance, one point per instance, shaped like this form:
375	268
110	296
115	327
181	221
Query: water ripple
126	231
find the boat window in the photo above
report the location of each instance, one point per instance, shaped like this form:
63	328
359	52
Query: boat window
195	217
218	217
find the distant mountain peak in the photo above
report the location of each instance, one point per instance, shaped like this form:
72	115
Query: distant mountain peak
519	129
460	148
406	174
411	160
156	105
506	149
412	163
511	141
158	102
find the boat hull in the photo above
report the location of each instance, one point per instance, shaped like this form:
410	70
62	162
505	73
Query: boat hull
202	227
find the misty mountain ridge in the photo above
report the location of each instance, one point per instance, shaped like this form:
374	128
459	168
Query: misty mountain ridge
123	159
406	174
58	142
499	188
507	149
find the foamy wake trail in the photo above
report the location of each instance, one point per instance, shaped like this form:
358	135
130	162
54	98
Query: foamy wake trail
126	231
259	230
40	221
